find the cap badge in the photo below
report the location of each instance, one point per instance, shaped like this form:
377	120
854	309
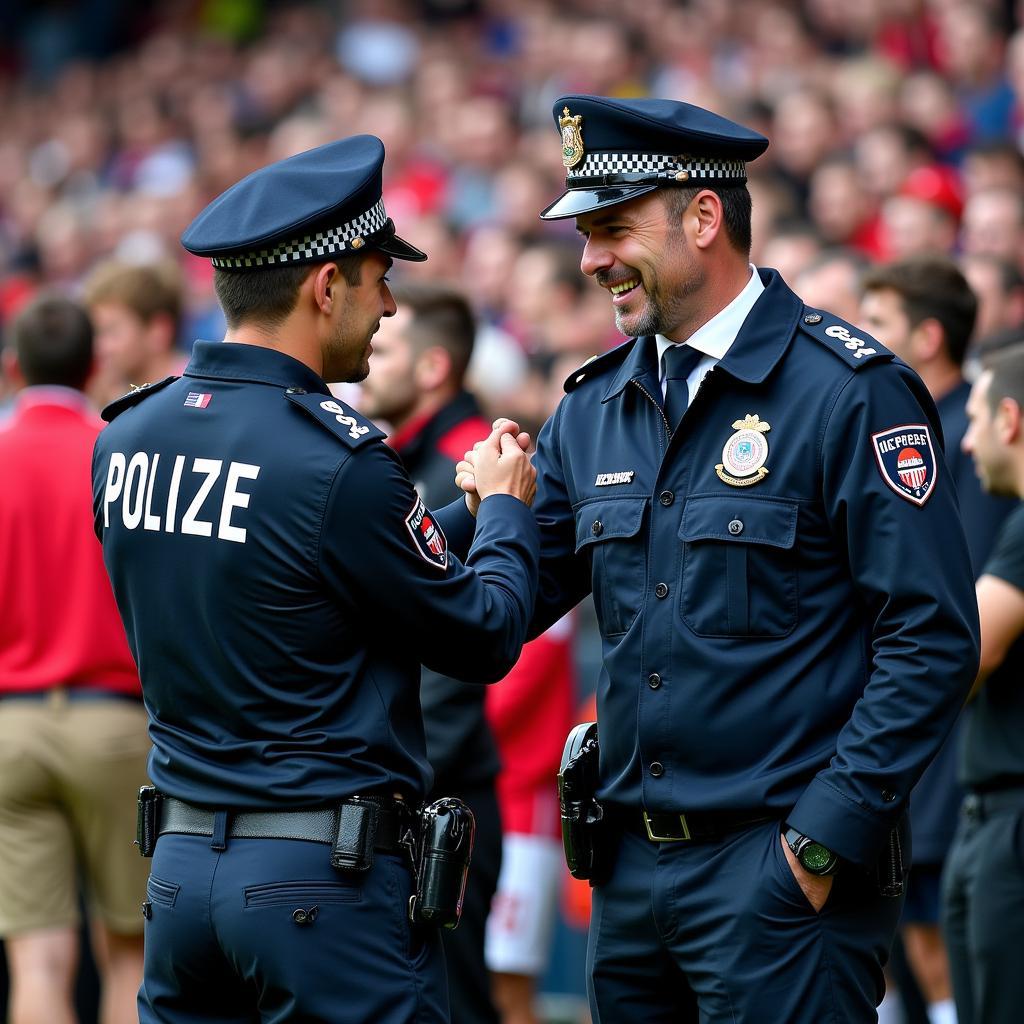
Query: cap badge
745	453
572	138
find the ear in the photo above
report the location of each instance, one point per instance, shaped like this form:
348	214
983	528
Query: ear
927	340
327	287
705	216
433	368
1008	421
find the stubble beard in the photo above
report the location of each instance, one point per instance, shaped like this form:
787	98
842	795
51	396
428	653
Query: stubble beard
663	313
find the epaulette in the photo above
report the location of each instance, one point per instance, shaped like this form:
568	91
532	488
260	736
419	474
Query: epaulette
133	397
598	364
849	343
344	423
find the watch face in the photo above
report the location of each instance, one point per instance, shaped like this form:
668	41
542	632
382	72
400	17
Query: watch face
816	857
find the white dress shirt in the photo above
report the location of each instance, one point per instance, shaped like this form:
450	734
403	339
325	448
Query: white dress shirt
715	338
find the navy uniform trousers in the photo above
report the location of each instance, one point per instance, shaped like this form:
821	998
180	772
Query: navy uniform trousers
721	933
269	922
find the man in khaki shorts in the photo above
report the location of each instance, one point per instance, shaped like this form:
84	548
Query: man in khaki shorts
73	740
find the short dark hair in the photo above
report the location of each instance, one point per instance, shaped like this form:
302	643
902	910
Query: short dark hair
1007	366
443	317
931	287
736	206
52	338
148	290
267	295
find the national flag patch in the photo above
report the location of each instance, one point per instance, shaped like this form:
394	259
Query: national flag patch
906	460
426	535
197	400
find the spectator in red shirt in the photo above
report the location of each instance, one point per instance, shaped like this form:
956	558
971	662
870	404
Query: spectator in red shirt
72	726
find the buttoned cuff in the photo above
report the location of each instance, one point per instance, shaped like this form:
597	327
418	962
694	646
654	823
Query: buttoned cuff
839	823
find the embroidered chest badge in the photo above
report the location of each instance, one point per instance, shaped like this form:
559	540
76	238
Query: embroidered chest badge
906	460
745	453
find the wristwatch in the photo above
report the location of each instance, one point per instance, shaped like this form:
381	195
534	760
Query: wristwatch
813	857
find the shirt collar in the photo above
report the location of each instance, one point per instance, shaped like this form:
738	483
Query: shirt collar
715	338
759	345
237	361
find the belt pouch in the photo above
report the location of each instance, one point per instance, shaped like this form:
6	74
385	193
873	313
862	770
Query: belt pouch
447	830
355	836
584	831
147	820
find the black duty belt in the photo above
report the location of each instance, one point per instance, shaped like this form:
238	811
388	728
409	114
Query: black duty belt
699	827
317	825
979	806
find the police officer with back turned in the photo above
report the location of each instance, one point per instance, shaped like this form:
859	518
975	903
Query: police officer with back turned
755	493
281	581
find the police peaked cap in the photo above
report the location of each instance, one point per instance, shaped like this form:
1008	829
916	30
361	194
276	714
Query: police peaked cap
617	149
308	208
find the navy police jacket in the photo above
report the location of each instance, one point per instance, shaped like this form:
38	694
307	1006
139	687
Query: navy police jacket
783	587
281	581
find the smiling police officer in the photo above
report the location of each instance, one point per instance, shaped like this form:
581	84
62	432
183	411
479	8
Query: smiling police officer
754	491
281	581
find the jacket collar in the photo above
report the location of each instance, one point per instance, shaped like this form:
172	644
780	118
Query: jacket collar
760	344
235	361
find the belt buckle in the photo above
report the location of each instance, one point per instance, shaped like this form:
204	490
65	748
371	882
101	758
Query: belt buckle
667	839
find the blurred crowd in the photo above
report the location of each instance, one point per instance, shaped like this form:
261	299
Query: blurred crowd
895	125
894	129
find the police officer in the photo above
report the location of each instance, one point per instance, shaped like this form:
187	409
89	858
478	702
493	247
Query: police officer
754	491
281	581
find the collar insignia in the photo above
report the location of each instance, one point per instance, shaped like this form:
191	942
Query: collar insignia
745	453
572	138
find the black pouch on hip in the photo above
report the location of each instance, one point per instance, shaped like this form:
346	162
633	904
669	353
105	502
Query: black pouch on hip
584	830
147	820
447	830
355	836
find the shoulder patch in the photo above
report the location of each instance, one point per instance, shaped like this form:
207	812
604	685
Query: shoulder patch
133	397
597	365
906	460
427	537
344	423
849	343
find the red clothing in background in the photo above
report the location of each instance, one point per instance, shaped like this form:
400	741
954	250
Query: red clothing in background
59	625
530	712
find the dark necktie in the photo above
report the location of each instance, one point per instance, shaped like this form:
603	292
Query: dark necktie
679	363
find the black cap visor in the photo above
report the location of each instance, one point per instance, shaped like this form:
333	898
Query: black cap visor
583	200
387	242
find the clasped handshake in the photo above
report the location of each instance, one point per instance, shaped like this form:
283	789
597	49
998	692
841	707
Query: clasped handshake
498	465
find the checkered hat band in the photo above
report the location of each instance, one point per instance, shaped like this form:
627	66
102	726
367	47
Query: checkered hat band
594	165
310	247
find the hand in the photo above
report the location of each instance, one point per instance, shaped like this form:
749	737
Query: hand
465	471
815	887
501	466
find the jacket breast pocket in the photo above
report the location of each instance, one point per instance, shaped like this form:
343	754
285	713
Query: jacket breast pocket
610	531
739	573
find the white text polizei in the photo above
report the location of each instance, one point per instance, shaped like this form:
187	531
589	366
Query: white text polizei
130	482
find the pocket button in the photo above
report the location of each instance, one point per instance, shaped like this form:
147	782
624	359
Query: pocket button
736	527
598	528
